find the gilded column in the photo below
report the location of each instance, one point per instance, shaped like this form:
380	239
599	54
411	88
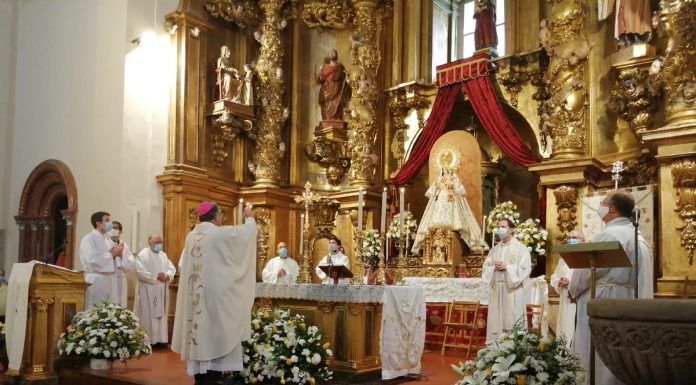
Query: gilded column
563	111
39	354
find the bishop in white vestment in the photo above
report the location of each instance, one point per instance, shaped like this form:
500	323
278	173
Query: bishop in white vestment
281	269
506	270
562	275
615	210
154	271
101	259
216	294
335	258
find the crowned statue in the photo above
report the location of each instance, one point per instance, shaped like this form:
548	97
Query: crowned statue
447	205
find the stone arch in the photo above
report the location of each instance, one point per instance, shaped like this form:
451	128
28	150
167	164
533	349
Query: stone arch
49	197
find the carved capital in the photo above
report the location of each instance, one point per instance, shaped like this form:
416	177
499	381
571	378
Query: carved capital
325	211
334	14
566	203
684	181
401	101
42	303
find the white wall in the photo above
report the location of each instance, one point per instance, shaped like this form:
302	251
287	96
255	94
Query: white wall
82	98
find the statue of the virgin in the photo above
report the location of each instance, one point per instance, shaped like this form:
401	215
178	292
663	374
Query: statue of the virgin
447	205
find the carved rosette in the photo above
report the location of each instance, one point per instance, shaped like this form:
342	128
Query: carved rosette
679	71
563	110
684	180
634	98
401	101
336	14
263	224
566	202
270	150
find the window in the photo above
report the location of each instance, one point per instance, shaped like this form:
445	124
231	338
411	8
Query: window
468	46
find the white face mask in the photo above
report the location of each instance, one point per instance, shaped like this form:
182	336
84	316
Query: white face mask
333	247
503	232
602	211
114	233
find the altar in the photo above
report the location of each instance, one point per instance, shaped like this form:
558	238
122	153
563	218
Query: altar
370	328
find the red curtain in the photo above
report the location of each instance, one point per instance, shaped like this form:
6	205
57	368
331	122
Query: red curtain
490	113
434	126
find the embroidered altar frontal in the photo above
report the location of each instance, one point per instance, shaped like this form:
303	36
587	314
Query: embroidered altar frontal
370	328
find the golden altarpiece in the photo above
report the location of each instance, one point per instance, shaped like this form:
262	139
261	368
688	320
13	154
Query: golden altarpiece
250	121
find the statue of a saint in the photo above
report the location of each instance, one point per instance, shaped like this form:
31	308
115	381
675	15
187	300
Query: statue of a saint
228	82
633	22
335	90
485	34
448	207
248	85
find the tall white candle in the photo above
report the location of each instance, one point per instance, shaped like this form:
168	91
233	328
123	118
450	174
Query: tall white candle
402	205
483	229
360	208
301	234
240	211
383	217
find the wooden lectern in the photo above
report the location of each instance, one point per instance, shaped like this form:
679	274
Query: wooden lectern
55	296
593	256
336	272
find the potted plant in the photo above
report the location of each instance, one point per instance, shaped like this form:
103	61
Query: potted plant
104	333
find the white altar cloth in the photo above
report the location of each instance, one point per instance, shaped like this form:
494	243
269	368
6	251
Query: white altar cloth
16	312
451	289
403	317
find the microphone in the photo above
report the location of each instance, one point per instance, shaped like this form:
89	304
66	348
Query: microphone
635	216
45	260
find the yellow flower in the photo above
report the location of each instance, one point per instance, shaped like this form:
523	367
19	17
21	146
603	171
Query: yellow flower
326	345
79	334
256	326
282	380
288	362
70	328
254	380
521	379
312	381
489	371
542	346
142	332
266	315
303	326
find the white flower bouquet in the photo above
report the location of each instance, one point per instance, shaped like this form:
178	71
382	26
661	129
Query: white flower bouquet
506	210
283	349
106	331
410	226
522	358
533	236
370	246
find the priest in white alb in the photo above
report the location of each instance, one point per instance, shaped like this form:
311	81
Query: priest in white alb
154	271
124	262
560	280
615	210
281	269
334	258
216	294
506	270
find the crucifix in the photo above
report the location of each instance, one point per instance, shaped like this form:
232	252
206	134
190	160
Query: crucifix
308	198
616	169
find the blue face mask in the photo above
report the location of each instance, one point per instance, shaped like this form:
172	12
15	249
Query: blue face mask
283	253
108	226
158	248
2	280
573	241
503	232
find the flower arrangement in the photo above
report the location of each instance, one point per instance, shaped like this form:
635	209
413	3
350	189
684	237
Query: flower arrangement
283	349
106	331
370	245
410	226
506	210
522	357
533	236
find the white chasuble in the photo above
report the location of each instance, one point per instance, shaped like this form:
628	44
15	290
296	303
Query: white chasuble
610	283
508	298
215	297
104	273
333	259
565	325
151	297
270	271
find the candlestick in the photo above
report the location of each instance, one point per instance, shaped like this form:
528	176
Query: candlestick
301	234
240	211
360	209
383	216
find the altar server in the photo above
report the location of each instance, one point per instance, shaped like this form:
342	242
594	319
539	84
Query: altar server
281	269
124	262
565	324
506	270
336	258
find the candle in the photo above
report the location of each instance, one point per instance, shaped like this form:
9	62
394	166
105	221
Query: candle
360	209
240	211
301	234
383	217
401	210
483	229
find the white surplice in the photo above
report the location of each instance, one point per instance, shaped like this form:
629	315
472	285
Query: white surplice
151	295
270	271
334	259
508	297
447	206
215	296
610	283
105	274
565	325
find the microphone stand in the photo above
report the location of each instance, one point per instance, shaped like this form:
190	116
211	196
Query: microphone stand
45	260
635	218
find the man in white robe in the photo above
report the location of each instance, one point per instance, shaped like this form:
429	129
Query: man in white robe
562	275
124	262
216	294
98	258
154	271
506	270
615	211
281	269
335	258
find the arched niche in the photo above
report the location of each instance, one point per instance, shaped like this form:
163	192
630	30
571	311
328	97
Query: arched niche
47	213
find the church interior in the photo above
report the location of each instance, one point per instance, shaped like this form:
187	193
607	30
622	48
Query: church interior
406	130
